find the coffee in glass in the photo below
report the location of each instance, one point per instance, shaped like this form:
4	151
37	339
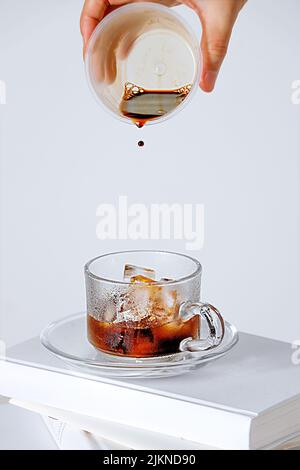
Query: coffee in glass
139	312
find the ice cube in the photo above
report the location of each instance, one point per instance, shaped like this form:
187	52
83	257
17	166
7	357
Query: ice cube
133	305
128	316
169	300
139	279
109	312
146	301
131	270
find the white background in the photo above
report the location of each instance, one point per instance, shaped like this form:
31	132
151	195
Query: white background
236	151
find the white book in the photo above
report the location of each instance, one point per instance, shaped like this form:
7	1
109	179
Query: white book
249	399
72	431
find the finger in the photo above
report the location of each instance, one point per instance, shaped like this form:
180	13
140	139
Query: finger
92	13
110	68
217	25
97	61
129	37
126	43
213	48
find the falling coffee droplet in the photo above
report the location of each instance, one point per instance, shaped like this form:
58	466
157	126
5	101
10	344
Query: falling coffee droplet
141	143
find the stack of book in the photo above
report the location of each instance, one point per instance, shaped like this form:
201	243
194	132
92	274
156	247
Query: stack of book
249	399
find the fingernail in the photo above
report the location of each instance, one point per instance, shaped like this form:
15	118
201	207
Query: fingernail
209	80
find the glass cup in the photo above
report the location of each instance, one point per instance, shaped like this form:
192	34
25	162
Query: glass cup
154	310
143	63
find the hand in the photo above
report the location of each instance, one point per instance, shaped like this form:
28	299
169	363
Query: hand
217	18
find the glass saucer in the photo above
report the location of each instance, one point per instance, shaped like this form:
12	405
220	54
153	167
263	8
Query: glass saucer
67	339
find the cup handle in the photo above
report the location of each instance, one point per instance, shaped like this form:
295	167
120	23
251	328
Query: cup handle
214	321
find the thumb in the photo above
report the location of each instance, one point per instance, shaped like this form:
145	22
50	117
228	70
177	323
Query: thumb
216	32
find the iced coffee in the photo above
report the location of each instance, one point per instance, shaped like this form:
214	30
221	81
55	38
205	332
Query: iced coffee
143	321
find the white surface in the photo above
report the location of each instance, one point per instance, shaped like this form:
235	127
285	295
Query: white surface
67	431
255	377
23	430
125	405
236	151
